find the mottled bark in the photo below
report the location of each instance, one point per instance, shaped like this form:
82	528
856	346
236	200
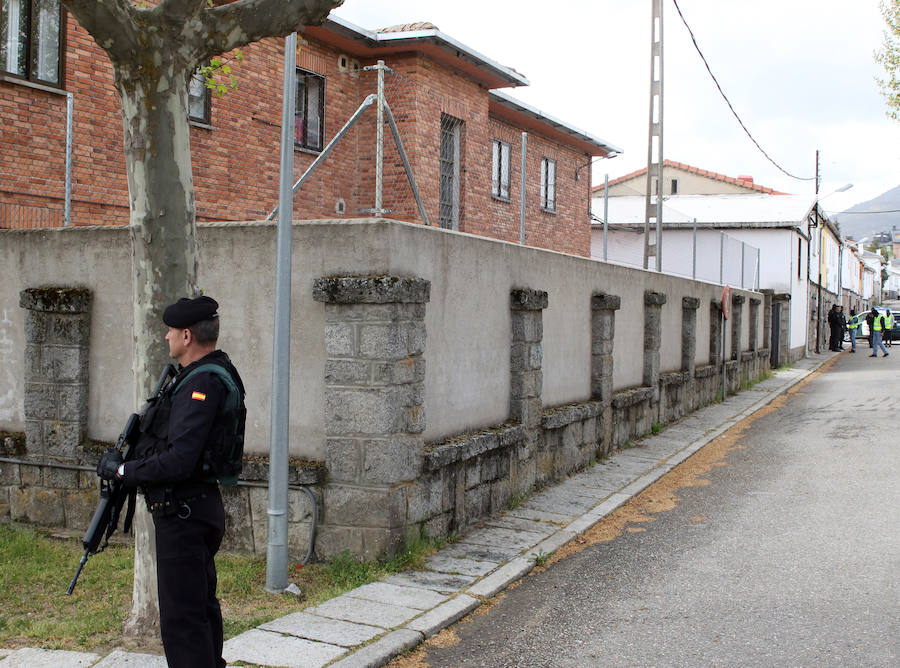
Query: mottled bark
153	51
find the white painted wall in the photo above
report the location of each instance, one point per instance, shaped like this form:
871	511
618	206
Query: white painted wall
467	319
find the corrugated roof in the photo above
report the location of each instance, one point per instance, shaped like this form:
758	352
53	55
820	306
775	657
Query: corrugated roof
719	210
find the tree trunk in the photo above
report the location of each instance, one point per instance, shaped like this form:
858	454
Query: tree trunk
165	257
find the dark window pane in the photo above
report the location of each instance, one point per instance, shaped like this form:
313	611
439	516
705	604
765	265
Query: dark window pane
45	41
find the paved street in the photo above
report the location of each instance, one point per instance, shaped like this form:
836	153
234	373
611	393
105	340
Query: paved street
789	557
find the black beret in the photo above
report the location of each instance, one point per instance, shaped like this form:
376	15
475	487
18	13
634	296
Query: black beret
186	312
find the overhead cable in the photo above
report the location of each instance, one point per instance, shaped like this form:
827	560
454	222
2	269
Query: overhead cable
728	102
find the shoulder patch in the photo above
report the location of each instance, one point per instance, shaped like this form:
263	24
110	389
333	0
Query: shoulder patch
198	395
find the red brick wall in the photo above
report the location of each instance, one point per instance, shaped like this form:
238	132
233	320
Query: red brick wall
236	160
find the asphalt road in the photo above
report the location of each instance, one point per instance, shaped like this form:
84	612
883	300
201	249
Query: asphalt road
789	557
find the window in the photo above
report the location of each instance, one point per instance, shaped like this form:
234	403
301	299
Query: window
451	139
309	115
674	190
500	170
31	40
198	99
548	184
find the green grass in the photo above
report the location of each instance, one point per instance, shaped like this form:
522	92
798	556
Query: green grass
37	568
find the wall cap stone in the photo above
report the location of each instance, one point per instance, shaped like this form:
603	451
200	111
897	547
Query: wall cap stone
652	298
756	301
566	415
632	397
705	371
56	300
674	378
738	299
371	290
782	297
526	299
603	302
467	446
690	302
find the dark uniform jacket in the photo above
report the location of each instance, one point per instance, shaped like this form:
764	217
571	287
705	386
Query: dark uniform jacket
170	450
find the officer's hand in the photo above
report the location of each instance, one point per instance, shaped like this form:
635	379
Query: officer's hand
109	464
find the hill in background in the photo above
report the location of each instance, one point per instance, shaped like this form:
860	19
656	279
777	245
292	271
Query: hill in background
880	214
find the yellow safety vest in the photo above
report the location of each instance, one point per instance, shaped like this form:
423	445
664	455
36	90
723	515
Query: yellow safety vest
877	324
889	320
853	323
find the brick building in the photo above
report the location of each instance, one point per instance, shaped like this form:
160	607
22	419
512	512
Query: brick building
464	139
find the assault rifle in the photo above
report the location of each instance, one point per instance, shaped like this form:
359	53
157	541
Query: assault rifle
113	493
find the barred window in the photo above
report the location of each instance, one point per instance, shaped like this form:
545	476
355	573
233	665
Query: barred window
548	184
500	170
31	40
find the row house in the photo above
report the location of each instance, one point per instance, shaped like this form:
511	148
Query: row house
470	145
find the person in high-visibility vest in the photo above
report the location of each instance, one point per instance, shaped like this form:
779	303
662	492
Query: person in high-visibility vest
877	329
853	327
888	334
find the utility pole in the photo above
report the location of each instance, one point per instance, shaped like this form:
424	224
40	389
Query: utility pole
654	198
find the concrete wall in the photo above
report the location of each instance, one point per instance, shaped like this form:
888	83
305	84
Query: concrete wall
435	375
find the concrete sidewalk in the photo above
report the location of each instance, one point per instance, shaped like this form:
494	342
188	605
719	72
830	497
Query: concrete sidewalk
372	624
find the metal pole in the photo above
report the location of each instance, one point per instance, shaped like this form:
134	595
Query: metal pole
277	547
722	258
522	192
70	107
379	140
724	375
406	165
694	269
605	213
743	251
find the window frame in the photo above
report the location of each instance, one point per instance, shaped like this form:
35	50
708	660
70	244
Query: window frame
206	119
304	143
499	169
548	185
30	46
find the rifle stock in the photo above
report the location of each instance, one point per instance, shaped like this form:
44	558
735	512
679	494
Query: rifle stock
113	493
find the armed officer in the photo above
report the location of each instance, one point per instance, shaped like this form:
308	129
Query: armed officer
171	468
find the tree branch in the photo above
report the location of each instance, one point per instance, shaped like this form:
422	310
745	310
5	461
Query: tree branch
110	22
238	23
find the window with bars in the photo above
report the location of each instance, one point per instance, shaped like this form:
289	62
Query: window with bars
500	170
451	132
31	40
548	184
309	115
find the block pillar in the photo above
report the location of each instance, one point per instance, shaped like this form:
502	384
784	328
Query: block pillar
754	323
57	339
653	302
374	409
526	357
767	318
737	319
689	306
603	331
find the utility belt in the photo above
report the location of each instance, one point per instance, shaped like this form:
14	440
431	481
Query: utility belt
172	500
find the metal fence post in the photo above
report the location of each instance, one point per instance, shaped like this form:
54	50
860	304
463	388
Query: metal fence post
70	110
379	139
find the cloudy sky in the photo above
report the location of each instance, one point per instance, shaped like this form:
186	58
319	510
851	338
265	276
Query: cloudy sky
800	73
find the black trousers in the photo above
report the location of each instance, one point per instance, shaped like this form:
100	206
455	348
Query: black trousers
189	614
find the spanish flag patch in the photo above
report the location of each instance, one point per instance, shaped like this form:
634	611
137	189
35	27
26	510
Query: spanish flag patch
198	395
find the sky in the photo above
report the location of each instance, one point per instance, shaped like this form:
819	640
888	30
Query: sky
799	73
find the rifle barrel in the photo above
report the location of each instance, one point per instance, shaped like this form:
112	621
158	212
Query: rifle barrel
81	564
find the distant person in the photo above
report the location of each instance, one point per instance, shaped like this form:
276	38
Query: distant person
888	333
836	327
877	329
870	319
853	328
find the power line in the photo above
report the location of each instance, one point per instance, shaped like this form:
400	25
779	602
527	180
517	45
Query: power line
728	102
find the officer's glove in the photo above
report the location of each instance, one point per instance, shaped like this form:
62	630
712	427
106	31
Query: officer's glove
109	464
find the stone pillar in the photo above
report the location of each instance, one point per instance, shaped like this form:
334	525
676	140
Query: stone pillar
689	306
784	334
374	409
526	357
653	302
57	338
715	333
754	323
603	330
737	318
